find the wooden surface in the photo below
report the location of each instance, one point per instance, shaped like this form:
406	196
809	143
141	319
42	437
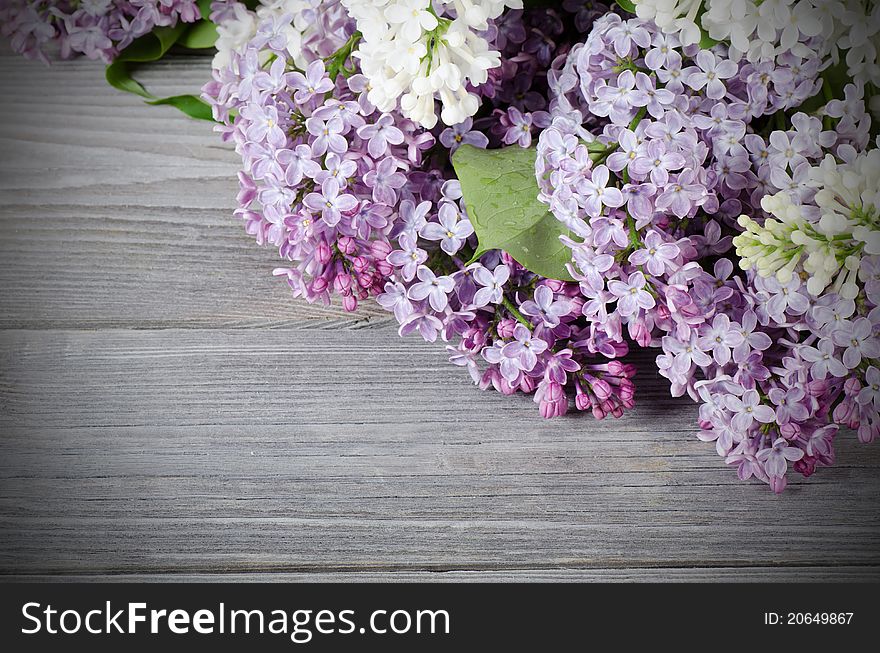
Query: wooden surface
168	412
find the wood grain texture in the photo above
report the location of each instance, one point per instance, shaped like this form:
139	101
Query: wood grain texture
167	413
117	214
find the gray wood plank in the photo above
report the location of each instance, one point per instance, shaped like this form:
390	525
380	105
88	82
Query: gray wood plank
117	214
187	451
634	575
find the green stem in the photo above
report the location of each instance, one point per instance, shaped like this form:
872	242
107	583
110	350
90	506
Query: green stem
515	312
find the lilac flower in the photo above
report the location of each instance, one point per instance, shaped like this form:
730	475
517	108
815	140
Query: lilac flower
336	168
380	134
639	202
592	266
776	459
263	124
710	74
631	147
720	337
744	456
747	409
522	353
463	134
632	295
518	126
870	394
751	370
686	354
313	83
408	258
657	162
385	180
658	256
450	231
783	152
679	197
427	325
328	135
558	365
329	202
619	101
492	283
658	99
394	299
546	308
789	404
412	217
299	164
433	288
859	340
596	193
752	338
823	360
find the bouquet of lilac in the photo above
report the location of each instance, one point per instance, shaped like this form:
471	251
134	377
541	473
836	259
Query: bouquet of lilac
364	201
97	29
661	152
542	188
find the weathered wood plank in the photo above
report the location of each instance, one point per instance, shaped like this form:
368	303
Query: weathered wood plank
309	451
631	575
118	214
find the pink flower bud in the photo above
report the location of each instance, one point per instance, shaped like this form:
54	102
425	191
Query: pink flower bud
505	328
323	253
319	284
789	431
350	303
601	388
347	245
342	284
359	263
553	402
380	249
384	268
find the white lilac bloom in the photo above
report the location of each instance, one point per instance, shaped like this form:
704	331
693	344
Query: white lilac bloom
237	25
827	237
415	51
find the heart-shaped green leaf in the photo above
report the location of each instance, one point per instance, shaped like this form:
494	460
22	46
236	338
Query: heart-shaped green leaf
501	195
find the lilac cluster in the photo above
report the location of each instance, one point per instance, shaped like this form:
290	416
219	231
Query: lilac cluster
653	152
326	177
98	29
513	330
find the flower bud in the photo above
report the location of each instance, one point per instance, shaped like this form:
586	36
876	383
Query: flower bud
350	303
505	328
347	245
323	253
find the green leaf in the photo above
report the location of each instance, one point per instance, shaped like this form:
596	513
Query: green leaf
201	35
188	104
627	5
119	77
147	48
501	195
